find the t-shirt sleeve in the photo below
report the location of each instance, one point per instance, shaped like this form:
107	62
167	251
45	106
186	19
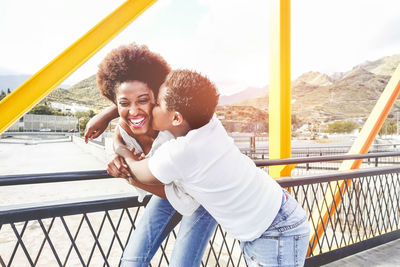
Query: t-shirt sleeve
162	166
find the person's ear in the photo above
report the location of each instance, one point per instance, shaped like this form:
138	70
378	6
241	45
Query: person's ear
177	119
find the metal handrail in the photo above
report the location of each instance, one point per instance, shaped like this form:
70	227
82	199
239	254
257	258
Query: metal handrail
102	174
367	218
44	210
270	162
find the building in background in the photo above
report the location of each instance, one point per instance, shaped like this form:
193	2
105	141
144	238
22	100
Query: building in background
44	123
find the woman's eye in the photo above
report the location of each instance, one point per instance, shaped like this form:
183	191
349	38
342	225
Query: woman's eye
144	100
123	104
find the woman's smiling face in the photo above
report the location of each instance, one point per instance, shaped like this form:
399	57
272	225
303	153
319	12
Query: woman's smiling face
135	101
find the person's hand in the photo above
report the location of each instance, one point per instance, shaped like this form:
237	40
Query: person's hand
127	154
117	167
95	127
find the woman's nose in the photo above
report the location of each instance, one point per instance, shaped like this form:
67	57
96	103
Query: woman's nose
133	110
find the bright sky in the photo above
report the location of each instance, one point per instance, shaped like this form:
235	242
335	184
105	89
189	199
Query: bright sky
228	40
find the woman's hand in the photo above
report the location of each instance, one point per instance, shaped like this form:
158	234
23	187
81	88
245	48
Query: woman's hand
118	168
97	125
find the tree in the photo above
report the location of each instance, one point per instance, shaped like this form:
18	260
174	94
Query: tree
8	91
388	127
83	118
342	127
42	110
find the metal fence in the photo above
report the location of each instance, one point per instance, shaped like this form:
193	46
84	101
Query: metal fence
94	232
315	151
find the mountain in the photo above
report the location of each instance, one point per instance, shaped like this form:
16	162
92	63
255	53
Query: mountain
84	93
12	81
250	92
341	96
384	66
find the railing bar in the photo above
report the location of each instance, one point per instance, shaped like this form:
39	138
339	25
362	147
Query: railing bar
66	208
75	237
130	230
95	239
96	236
288	161
17	245
50	243
53	177
73	244
316	238
2	262
369	207
391	187
22	244
360	207
115	230
351	209
163	255
223	241
334	225
387	211
381	210
112	240
211	242
231	251
374	208
325	226
90	175
43	242
227	248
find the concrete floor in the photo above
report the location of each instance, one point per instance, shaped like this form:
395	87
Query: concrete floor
50	158
387	255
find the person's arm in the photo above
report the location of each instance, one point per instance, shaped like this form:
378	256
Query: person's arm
96	125
157	189
117	139
139	169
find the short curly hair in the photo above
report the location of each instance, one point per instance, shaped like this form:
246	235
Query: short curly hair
191	94
129	63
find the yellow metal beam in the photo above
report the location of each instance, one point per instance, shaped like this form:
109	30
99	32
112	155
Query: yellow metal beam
40	84
360	146
279	91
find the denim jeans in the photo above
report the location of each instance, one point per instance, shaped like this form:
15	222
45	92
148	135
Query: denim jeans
285	242
154	227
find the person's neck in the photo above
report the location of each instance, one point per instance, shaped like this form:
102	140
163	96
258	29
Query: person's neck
146	140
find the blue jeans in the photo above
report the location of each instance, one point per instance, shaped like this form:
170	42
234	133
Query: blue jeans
154	227
285	242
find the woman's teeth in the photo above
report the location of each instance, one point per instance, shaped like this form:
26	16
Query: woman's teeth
136	121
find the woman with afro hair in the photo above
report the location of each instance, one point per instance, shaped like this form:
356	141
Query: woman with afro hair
130	77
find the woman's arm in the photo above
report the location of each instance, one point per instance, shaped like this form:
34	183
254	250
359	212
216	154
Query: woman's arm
96	125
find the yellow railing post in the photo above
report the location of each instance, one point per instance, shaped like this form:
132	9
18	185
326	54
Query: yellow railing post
361	145
40	84
279	91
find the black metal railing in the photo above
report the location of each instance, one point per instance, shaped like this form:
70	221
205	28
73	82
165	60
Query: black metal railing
315	151
94	232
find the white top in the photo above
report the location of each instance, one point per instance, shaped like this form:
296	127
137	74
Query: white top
241	197
178	198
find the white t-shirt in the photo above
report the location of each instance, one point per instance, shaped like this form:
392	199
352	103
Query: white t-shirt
241	197
176	195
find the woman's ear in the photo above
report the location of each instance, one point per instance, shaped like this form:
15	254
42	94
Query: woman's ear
177	119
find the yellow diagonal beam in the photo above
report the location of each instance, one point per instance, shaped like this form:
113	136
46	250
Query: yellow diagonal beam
40	84
360	146
279	92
